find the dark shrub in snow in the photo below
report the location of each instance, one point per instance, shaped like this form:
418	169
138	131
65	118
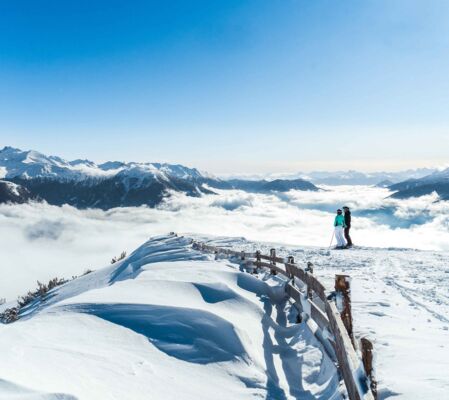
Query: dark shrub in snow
119	258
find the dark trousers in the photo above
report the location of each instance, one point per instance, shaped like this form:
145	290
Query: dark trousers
347	237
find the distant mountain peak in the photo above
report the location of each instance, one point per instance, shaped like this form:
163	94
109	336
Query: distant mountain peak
30	164
437	182
12	193
83	183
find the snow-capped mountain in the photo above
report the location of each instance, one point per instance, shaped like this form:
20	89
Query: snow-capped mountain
10	192
437	176
384	184
16	163
85	184
336	178
277	185
435	182
363	178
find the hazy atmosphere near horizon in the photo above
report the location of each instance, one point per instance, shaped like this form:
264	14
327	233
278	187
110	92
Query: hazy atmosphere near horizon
240	199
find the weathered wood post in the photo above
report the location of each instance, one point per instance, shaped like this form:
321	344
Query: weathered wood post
367	358
242	255
309	269
289	268
343	288
258	259
291	261
273	260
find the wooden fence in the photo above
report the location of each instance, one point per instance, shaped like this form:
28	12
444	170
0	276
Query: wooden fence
331	312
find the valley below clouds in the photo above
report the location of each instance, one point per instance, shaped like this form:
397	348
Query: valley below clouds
40	241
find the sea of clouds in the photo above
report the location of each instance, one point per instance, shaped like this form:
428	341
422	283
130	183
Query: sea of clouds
39	241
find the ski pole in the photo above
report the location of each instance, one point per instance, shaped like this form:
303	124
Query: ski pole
332	239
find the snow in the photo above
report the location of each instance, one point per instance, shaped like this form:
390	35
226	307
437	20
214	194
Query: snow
437	176
170	320
350	177
32	164
167	322
81	239
400	296
88	169
400	300
14	188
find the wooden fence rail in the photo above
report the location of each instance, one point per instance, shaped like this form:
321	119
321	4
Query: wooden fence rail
331	312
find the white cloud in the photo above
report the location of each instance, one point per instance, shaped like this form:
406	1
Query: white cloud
39	241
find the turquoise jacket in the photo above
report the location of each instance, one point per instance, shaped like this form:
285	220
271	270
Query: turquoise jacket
340	220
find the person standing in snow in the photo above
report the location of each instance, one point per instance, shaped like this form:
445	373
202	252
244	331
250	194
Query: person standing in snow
348	226
339	224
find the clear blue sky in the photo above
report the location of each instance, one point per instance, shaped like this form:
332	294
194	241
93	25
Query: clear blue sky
228	86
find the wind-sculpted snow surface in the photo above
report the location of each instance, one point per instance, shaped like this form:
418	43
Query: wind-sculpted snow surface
10	391
167	322
400	300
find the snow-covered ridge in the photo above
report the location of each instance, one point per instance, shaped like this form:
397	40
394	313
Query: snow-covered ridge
349	177
16	163
13	193
167	322
85	184
437	182
437	176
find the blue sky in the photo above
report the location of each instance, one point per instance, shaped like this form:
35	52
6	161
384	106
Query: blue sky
228	86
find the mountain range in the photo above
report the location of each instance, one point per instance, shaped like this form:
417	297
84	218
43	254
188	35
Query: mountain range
364	178
350	177
13	193
30	175
436	182
403	184
84	184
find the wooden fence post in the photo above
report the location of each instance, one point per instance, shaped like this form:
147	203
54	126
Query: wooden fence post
342	286
290	260
367	359
258	259
337	317
273	261
309	269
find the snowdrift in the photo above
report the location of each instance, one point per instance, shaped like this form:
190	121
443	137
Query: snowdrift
167	322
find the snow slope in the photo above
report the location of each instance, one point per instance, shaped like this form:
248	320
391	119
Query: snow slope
167	322
400	300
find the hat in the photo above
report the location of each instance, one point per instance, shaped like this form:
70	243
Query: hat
345	207
339	211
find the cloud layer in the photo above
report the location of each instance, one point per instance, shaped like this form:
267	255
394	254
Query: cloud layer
41	241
